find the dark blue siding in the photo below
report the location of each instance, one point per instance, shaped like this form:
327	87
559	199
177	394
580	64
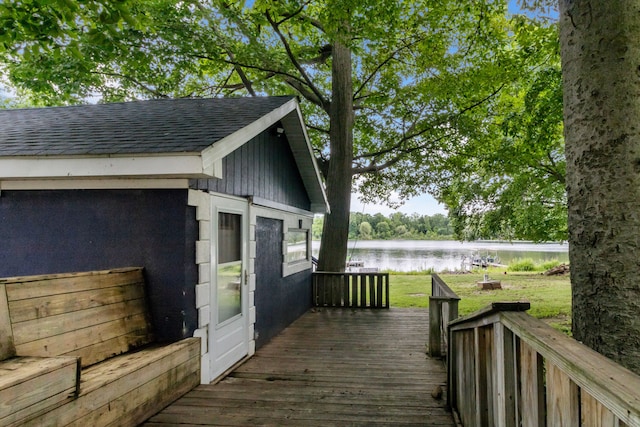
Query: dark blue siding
264	167
64	231
279	300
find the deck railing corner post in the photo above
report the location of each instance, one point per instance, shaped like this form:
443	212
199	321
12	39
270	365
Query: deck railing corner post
435	320
453	310
450	363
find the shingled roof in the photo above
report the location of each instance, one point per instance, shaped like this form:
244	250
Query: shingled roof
154	126
154	139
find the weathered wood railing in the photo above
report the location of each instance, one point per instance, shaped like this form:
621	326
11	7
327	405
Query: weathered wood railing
443	308
357	290
506	368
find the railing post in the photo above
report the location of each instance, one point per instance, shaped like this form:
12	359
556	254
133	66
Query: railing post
532	406
345	290
336	295
482	341
386	278
314	290
481	377
451	359
453	310
354	291
435	319
504	380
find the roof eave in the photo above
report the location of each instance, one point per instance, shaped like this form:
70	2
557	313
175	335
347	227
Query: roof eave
296	132
212	156
290	116
205	164
179	165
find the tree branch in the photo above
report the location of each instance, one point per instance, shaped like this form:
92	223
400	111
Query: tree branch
317	128
245	80
324	53
551	169
382	64
270	72
307	94
373	167
313	22
288	16
323	162
243	77
400	152
295	62
220	87
425	129
152	91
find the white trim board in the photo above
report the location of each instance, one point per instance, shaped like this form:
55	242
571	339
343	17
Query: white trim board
201	201
95	184
305	159
183	166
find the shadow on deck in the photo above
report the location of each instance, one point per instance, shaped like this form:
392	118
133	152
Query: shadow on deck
331	367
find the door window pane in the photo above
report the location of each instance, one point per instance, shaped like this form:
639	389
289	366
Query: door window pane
229	237
229	290
229	267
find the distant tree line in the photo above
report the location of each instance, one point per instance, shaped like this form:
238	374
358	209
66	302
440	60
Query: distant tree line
395	226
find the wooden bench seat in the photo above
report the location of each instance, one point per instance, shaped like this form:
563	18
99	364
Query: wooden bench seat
99	319
34	385
128	389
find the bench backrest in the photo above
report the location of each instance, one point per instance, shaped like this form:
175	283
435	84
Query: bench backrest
92	315
7	349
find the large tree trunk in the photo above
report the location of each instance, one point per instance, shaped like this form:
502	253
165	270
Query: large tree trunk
600	46
333	248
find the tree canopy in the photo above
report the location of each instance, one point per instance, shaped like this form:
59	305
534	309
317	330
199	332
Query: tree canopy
364	226
428	85
510	182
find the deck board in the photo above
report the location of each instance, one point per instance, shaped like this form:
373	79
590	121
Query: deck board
331	367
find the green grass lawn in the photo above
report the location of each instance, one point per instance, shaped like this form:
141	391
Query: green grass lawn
550	296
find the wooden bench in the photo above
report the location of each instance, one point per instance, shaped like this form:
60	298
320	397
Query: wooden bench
81	344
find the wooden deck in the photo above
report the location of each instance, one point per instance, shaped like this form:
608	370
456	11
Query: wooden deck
332	367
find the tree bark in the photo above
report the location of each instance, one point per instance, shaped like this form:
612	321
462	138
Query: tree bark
333	247
600	48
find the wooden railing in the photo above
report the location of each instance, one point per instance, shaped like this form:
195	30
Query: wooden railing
443	308
506	368
357	290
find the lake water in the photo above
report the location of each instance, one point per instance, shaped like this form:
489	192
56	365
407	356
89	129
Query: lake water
418	255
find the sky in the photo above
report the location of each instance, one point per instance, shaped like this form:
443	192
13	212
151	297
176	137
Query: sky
423	205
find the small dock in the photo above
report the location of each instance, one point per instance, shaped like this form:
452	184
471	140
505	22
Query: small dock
331	367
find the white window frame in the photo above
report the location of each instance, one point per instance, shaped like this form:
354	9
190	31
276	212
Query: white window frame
294	221
290	267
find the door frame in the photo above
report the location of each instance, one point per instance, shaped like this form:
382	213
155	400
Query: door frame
223	359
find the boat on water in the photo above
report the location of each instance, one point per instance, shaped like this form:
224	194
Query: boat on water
357	266
476	260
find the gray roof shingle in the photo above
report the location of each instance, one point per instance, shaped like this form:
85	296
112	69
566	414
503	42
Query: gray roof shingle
142	127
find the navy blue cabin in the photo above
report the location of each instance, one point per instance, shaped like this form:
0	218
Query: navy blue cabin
213	197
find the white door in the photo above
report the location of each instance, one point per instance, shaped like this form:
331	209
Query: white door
229	340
